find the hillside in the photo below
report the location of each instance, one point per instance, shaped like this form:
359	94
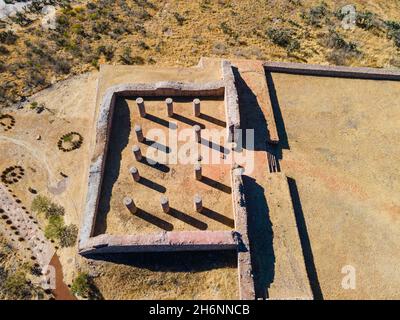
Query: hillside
37	51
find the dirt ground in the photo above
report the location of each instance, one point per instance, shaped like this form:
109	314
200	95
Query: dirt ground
171	179
341	148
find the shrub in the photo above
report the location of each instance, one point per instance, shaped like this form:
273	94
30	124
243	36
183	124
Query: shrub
16	287
335	41
54	227
4	50
107	51
2	67
8	37
101	27
393	31
91	5
143	45
283	38
84	286
126	58
179	18
21	19
54	210
137	60
367	20
62	66
342	50
40	203
78	29
68	236
81	286
36	79
316	14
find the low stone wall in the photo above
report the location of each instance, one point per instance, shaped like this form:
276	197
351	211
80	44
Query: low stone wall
246	282
332	71
162	241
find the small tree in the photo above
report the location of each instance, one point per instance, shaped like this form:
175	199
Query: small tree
40	203
81	285
68	236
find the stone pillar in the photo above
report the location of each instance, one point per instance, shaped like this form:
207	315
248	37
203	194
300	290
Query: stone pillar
197	132
197	171
170	107
198	203
196	107
130	204
136	151
164	204
135	173
140	104
139	133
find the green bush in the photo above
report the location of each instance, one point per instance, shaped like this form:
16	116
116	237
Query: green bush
8	37
393	31
81	286
367	20
126	57
179	18
68	236
335	41
17	288
4	50
107	51
316	14
283	38
42	204
39	203
54	228
84	286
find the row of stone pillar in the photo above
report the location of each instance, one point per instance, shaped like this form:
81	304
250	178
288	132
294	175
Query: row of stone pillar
164	202
170	107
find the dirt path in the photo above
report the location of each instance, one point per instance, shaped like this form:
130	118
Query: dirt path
61	292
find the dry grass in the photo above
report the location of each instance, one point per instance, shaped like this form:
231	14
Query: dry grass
172	32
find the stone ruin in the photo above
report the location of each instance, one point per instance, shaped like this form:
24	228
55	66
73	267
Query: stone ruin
168	241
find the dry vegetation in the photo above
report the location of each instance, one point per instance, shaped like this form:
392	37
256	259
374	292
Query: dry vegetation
16	276
172	32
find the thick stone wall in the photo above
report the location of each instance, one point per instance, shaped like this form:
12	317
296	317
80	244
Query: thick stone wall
225	87
245	272
162	241
332	71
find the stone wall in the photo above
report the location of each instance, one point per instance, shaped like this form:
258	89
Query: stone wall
225	87
161	241
245	272
332	71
